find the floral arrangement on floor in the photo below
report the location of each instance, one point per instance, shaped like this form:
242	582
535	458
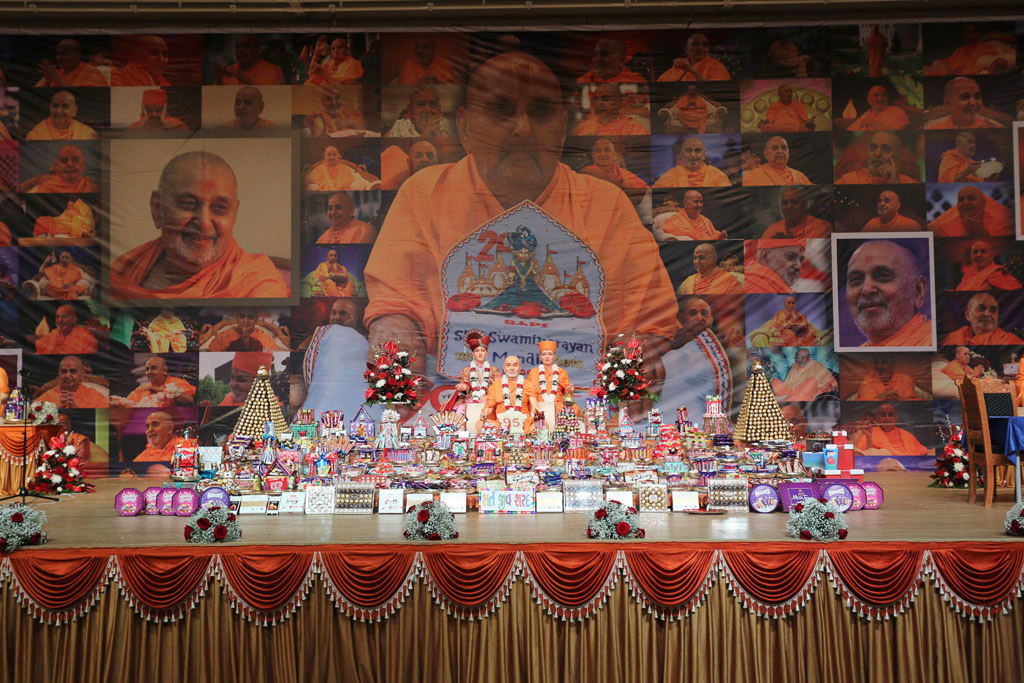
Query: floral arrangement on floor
389	377
816	519
620	373
212	523
952	467
58	470
1015	520
42	413
429	521
614	520
20	525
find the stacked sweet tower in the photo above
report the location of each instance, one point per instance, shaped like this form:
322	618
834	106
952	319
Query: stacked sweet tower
760	417
715	421
260	407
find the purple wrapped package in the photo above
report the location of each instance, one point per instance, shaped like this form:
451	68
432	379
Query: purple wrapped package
763	498
152	495
165	501
129	502
839	494
214	495
873	495
793	492
185	502
859	497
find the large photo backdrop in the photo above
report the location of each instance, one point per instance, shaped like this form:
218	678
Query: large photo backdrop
836	203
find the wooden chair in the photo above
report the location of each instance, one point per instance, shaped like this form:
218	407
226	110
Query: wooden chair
980	450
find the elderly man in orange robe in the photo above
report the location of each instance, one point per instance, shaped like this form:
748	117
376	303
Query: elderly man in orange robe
885	384
426	66
975	215
776	170
65	175
248	106
786	115
692	168
689	224
886	438
876	46
160	390
69	71
607	165
606	115
69	337
790	326
885	292
889	218
244	367
962	96
510	392
61	124
984	273
709	278
958	164
153	113
806	380
548	382
776	266
697	65
880	114
397	166
513	128
982	326
250	69
76	221
243	335
797	222
146	64
71	391
691	109
345	227
975	56
64	279
336	173
196	256
334	64
166	333
334	117
959	368
160	439
423	117
610	64
332	277
882	165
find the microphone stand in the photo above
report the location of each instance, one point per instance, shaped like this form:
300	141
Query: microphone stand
23	491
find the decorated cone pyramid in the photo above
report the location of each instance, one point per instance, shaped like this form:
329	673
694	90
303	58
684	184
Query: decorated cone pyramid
260	407
760	417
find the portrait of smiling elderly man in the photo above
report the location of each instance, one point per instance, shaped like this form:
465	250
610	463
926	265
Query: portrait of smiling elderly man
884	296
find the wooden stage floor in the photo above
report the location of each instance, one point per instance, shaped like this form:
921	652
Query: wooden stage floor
912	512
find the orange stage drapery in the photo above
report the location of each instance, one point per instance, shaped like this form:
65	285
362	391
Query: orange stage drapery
13	438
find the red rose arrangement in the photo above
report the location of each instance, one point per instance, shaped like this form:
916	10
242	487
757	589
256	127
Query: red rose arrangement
620	373
952	468
58	470
212	523
20	525
615	520
1014	525
389	378
429	521
816	519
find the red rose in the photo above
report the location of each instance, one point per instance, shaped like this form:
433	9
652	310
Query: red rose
369	393
622	528
799	507
842	533
17	518
214	508
73	462
203	523
411	508
805	534
829	515
423	516
1015	525
406	534
434	537
231	517
632	510
388	395
590	532
601	513
456	534
188	532
220	532
35	538
640	533
823	500
3	543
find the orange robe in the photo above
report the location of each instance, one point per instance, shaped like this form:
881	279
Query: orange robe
758	277
710	69
623	125
439	69
970	60
45	130
222	341
135	75
876	46
916	332
783	323
681	225
679	176
890	118
496	403
83	75
993	276
229	401
806	383
83	397
624	76
354	232
946	123
862	177
166	335
624	179
766	175
63	282
899	223
348	70
261	124
894	442
165	454
953	163
808	227
323	274
785	118
235	275
352	117
997	221
261	72
5	235
437	206
147	390
76	221
533	381
344	177
956	371
693	113
965	337
53	183
716	282
78	341
874	388
5	387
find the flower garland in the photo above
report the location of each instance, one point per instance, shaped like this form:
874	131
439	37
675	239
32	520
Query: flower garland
544	395
816	519
477	385
506	395
951	469
1014	524
212	524
614	520
429	521
58	470
389	377
20	525
620	373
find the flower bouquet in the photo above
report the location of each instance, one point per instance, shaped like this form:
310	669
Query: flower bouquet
951	469
58	470
389	377
212	523
614	520
1015	520
42	413
429	521
816	519
620	373
20	525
